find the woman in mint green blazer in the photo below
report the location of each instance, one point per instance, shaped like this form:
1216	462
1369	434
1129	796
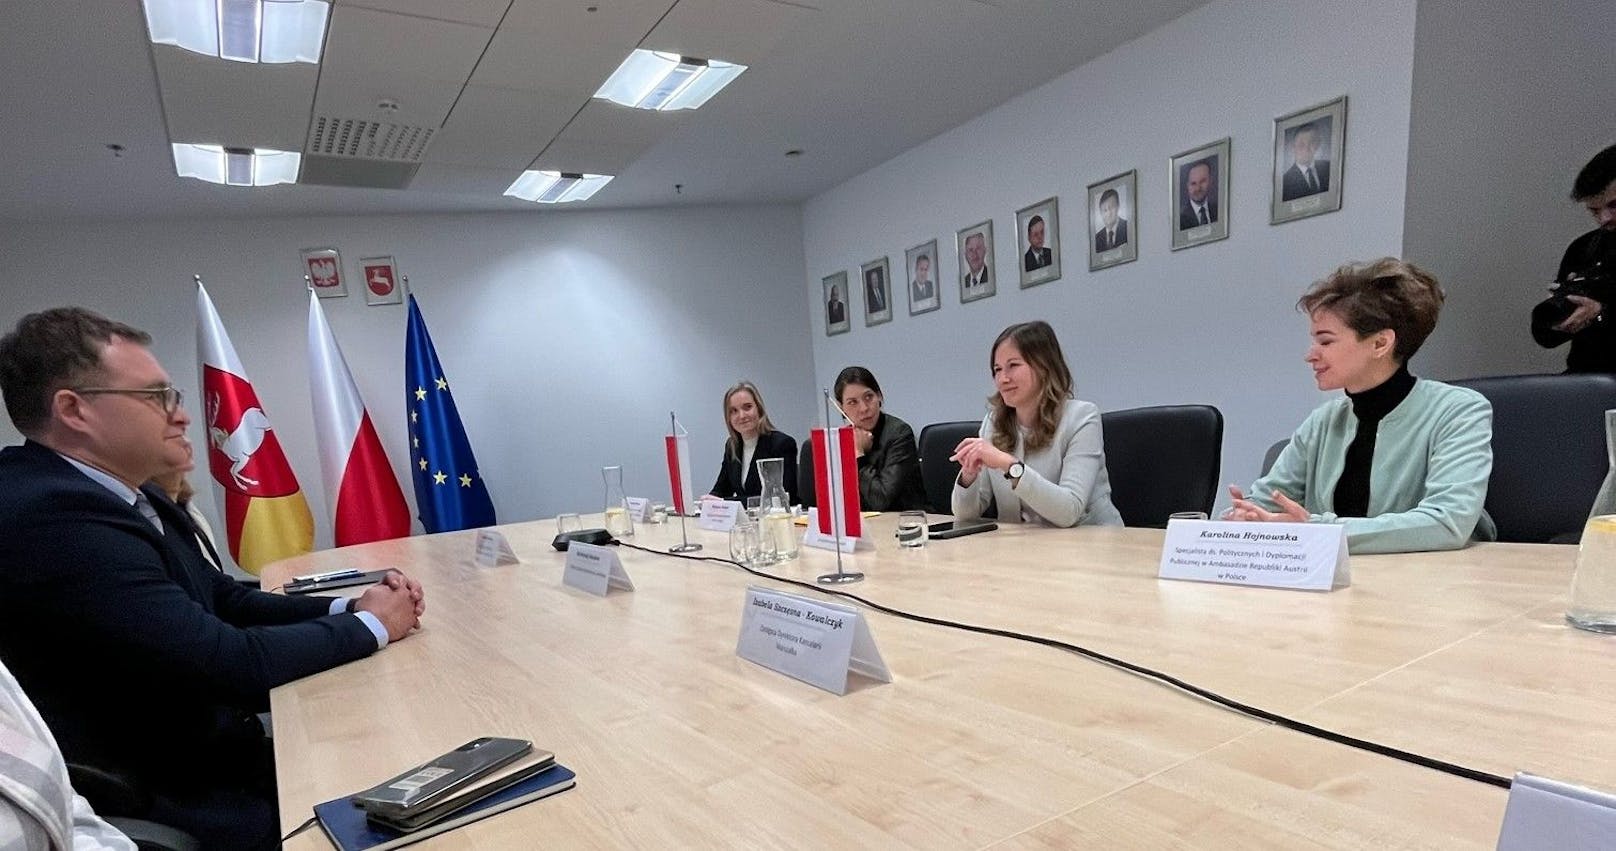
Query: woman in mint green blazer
1401	461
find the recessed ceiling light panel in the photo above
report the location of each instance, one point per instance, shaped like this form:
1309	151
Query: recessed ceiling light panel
236	166
269	31
556	187
667	81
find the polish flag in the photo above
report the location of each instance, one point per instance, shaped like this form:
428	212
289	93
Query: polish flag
364	495
836	481
266	518
677	444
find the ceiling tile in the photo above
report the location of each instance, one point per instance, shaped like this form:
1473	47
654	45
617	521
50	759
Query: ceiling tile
210	101
483	13
378	43
561	47
500	127
740	31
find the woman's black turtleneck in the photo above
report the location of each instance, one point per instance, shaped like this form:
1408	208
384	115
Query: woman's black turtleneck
1370	407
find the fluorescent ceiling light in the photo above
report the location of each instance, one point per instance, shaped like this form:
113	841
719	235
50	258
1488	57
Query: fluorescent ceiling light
665	81
271	31
236	166
556	187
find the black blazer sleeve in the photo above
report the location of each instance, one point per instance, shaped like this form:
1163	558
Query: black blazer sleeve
786	446
725	486
105	576
889	474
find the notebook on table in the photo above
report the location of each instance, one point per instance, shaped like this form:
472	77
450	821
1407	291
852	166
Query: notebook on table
351	829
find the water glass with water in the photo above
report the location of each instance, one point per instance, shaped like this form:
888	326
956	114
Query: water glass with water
568	523
744	542
911	529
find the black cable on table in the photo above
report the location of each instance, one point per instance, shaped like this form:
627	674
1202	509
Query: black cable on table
1132	668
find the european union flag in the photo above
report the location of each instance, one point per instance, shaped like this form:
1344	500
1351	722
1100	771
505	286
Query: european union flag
448	490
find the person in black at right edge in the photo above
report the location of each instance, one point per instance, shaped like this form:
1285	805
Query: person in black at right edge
1583	306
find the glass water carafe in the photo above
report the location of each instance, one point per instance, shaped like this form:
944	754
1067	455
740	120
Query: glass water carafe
618	522
778	535
1593	588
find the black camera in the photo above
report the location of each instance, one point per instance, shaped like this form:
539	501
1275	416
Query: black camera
1596	280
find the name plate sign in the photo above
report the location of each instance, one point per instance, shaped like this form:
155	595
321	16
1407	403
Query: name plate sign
816	642
595	569
639	508
1544	813
815	538
718	515
492	550
1303	556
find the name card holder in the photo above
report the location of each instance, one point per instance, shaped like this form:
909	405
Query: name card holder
1298	556
816	642
1544	813
595	569
815	538
639	508
492	550
718	515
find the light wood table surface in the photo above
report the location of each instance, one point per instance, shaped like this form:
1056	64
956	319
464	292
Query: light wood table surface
979	741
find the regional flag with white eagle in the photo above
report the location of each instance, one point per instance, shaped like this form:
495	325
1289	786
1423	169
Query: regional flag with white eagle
266	518
365	499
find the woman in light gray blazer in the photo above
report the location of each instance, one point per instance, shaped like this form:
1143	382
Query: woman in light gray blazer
1041	456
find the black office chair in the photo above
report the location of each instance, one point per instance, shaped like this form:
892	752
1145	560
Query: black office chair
1549	455
122	803
937	473
1161	460
805	475
1272	455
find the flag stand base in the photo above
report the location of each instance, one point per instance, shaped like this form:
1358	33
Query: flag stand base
685	547
840	578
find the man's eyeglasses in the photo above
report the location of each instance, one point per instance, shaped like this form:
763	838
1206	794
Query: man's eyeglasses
168	396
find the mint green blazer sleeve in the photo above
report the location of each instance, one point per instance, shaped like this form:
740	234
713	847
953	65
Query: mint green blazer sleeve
1446	515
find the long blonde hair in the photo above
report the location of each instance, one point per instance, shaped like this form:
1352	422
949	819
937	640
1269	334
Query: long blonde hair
1042	351
734	443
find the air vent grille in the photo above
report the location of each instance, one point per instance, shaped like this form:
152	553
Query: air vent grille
357	138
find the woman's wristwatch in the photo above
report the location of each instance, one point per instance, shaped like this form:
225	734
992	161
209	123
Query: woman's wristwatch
1014	473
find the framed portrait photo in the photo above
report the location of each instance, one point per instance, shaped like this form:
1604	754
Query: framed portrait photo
1309	156
1113	234
1038	240
1198	195
877	278
976	270
924	294
836	312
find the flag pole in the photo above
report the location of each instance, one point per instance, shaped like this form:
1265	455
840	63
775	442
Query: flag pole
833	470
684	536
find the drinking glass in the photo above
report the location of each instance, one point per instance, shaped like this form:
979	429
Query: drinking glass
1187	515
569	523
911	529
744	542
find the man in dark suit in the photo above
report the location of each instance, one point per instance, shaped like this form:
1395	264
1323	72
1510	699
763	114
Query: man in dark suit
875	291
1307	175
835	309
1198	206
142	658
1037	256
1113	232
922	288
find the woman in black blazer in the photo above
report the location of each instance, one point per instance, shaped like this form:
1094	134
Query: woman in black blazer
751	438
888	458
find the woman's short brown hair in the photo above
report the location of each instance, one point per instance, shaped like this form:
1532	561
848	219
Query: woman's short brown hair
1379	295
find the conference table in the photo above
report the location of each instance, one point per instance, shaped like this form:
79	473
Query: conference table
979	741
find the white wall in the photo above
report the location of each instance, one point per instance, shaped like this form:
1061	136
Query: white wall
1510	101
567	337
1213	324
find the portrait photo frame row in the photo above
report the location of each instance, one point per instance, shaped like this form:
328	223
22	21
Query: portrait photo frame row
1309	159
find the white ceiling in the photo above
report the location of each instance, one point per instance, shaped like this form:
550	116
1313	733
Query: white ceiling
506	84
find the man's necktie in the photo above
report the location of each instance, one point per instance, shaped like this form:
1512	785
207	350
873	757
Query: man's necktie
1312	183
1202	211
